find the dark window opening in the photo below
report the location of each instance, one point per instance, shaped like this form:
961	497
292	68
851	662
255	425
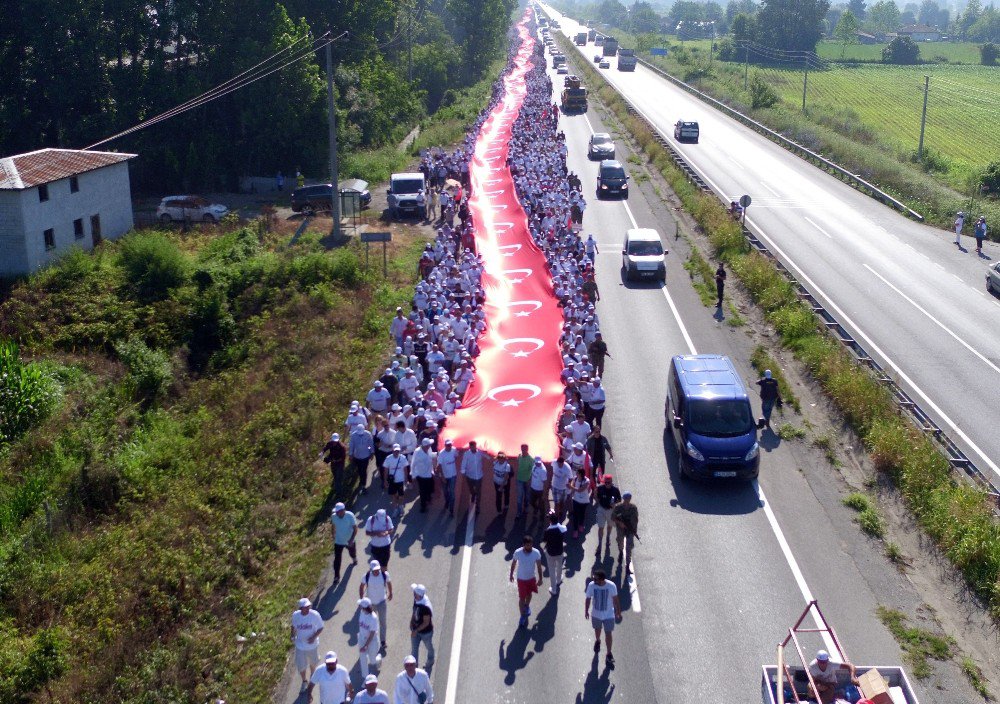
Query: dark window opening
43	193
78	228
74	184
50	238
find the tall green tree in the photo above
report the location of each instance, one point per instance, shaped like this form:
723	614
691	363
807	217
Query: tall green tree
791	25
480	30
883	17
612	13
847	31
859	8
643	18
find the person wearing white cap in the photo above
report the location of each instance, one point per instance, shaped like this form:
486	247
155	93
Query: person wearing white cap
371	694
335	455
356	416
538	487
344	529
397	471
379	528
824	674
447	468
411	683
472	470
368	636
378	398
307	624
562	473
422	624
769	395
377	586
422	469
594	408
397	327
334	682
362	447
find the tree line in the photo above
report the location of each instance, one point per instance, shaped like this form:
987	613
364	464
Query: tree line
77	71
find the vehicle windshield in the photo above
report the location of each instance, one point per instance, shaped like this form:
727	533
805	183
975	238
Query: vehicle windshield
645	249
689	125
407	186
720	418
612	172
602	141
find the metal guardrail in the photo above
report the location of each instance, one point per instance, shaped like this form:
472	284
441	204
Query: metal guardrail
959	461
831	167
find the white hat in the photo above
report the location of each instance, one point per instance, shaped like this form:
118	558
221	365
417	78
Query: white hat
578	446
304	602
378	384
331	658
335	437
409	660
339	506
371	679
767	373
364	602
822	655
448	441
426	442
396	447
375	565
418	589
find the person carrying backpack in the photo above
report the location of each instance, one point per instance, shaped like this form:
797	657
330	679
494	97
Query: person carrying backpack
377	586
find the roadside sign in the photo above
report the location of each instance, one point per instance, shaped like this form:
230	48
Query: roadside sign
658	51
745	201
376	237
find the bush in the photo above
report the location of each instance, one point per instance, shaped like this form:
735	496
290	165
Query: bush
28	394
989	53
150	372
762	95
153	265
212	326
991	178
727	50
901	50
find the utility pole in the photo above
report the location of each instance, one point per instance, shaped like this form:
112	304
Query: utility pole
409	43
805	81
746	62
923	119
332	123
711	49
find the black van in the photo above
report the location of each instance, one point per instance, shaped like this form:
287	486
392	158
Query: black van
611	179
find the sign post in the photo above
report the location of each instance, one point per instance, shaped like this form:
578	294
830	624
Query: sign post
745	202
384	238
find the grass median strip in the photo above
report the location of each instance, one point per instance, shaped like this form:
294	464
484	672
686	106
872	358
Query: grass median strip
957	516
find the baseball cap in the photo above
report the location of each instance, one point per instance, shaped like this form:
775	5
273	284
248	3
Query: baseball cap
608	478
339	506
335	437
418	589
448	441
304	602
371	679
396	447
364	602
626	494
409	660
767	373
426	442
578	446
822	656
375	565
330	658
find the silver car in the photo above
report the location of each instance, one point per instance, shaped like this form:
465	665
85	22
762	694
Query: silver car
190	208
993	279
601	146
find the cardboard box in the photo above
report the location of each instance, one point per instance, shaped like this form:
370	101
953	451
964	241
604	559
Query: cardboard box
874	687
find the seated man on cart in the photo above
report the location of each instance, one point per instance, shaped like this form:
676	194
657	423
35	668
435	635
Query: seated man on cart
824	674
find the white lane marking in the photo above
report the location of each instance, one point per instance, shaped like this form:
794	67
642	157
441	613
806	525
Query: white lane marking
463	595
818	228
677	317
735	162
845	319
764	184
937	322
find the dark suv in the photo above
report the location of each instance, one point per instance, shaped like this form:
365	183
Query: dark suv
611	179
316	198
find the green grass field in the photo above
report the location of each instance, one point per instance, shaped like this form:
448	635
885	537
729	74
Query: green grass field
938	52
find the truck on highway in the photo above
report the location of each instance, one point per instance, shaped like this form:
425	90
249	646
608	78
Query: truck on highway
626	59
574	96
581	38
798	677
610	46
592	35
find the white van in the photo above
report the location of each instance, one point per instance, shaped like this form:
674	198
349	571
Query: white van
406	195
643	255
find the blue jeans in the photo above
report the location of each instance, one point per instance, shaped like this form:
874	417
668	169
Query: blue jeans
766	406
522	496
428	640
449	492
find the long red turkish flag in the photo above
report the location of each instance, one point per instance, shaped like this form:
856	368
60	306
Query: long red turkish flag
516	396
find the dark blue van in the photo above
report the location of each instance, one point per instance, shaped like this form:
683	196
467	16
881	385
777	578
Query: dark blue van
708	411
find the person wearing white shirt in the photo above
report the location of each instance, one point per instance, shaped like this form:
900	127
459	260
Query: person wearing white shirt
562	473
472	470
379	529
579	429
538	487
307	624
368	635
602	607
334	682
398	326
411	682
594	409
378	398
377	586
397	469
371	694
447	462
405	438
409	385
463	377
435	360
422	469
355	416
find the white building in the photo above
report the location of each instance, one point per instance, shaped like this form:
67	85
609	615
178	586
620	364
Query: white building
53	200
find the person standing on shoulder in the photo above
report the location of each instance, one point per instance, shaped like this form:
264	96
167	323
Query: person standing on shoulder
980	233
413	686
959	224
769	396
344	527
371	694
720	283
377	586
422	625
625	516
608	496
603	609
307	624
554	540
334	682
526	561
362	448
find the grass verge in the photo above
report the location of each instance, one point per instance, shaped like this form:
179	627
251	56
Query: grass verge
868	516
919	645
958	517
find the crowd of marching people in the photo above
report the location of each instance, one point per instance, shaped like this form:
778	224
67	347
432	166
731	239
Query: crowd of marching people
399	421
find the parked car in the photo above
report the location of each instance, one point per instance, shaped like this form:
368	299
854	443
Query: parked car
686	131
193	208
598	58
604	64
406	194
317	197
601	146
611	179
993	278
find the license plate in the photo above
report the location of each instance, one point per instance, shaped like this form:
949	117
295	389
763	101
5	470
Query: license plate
725	474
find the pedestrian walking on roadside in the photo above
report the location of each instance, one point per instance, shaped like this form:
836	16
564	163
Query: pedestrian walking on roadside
554	541
598	351
472	470
599	449
422	469
581	491
769	396
959	224
397	470
524	464
625	516
368	633
362	448
603	608
344	528
501	481
377	586
279	181
335	455
980	233
526	562
379	528
333	680
371	694
307	624
608	496
596	401
720	283
413	685
538	488
447	465
422	625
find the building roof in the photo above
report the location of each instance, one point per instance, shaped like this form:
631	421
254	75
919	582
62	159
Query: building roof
32	169
918	29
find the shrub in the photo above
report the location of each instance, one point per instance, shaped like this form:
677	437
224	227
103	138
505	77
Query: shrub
212	326
989	53
901	50
990	179
150	372
762	95
28	394
727	50
153	265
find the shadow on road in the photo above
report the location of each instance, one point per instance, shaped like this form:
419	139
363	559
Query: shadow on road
720	497
515	656
598	688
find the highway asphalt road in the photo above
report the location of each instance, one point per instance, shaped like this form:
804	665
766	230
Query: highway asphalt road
722	569
906	292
